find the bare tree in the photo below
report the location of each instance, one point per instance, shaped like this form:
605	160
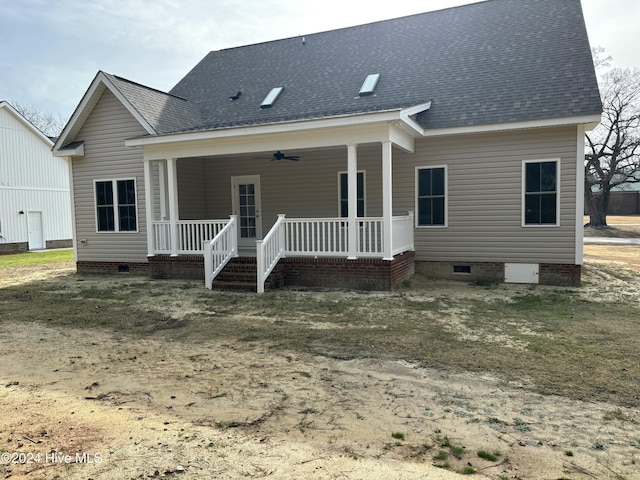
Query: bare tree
49	124
612	154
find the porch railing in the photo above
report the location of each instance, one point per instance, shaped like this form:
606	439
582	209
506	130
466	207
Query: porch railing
316	237
402	233
269	251
191	235
218	251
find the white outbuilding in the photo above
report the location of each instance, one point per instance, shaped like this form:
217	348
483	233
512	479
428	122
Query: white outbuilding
35	198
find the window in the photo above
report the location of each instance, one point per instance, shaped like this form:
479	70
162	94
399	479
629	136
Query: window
344	195
116	206
540	204
431	191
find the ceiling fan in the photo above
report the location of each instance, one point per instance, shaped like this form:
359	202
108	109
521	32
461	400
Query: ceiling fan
281	156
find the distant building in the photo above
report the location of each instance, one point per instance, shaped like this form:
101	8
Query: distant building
35	199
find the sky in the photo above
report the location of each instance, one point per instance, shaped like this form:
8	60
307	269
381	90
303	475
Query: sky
50	50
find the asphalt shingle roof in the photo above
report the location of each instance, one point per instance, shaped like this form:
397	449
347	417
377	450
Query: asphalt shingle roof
484	63
164	112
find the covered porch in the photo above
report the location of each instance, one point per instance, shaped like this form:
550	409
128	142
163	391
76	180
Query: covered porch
219	199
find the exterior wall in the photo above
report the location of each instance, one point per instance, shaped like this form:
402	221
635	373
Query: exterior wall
485	197
107	158
192	189
31	179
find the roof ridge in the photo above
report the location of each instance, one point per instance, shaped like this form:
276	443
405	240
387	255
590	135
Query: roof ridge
332	30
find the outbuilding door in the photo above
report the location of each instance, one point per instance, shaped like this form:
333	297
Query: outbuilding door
34	223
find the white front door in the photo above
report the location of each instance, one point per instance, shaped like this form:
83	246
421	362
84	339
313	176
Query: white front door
248	207
34	223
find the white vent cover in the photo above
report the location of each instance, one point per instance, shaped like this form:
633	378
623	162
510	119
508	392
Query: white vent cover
521	273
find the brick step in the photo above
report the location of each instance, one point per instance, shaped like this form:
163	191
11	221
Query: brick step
240	275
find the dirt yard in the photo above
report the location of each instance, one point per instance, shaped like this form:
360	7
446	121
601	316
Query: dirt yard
97	402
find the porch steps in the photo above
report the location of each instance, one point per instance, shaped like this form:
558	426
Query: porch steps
240	275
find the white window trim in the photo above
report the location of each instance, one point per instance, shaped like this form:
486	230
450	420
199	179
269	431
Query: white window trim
524	192
446	196
114	183
364	191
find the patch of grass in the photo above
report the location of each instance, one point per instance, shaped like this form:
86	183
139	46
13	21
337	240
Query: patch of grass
468	470
456	450
488	456
35	258
568	453
398	435
618	415
521	425
441	455
226	425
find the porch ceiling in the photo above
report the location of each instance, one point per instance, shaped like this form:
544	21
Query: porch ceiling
395	127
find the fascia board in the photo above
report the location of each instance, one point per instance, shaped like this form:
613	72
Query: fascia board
587	120
351	120
289	140
70	152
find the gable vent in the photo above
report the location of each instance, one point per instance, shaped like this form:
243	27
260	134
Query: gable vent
271	97
369	84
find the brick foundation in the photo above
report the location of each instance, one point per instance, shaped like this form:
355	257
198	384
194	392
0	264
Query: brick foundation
68	243
185	267
19	247
112	267
564	275
360	274
489	272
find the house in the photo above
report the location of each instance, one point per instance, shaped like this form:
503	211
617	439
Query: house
35	199
449	142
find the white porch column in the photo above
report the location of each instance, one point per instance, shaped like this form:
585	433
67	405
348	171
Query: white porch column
172	178
387	200
162	181
352	197
148	204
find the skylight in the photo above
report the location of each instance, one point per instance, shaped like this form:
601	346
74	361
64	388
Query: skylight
271	97
369	84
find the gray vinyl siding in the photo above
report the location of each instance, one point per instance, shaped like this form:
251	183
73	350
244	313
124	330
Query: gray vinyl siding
192	189
107	158
485	197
